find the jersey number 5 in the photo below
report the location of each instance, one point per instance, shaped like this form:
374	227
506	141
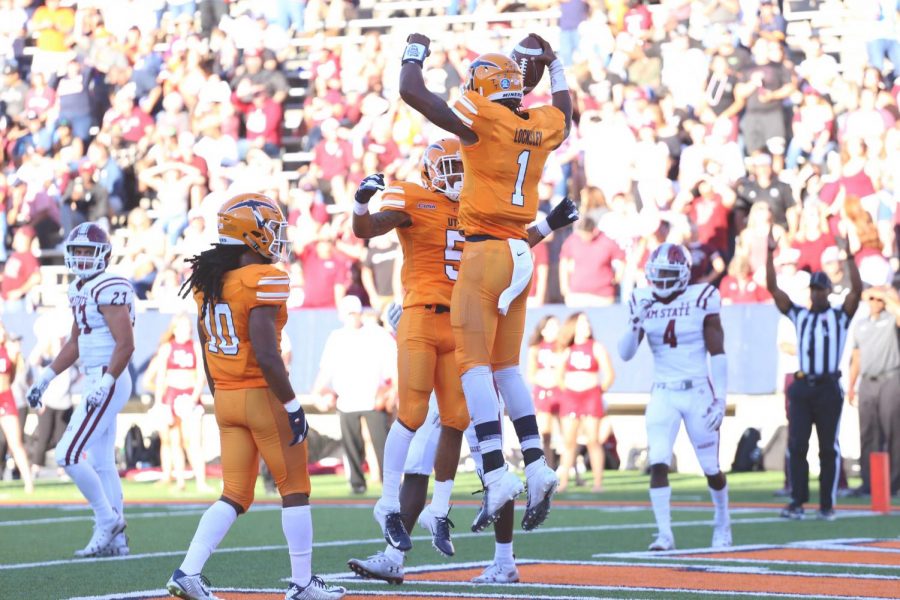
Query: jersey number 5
224	339
518	198
452	253
669	334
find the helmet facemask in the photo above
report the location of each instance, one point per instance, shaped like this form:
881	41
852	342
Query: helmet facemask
667	280
446	176
87	265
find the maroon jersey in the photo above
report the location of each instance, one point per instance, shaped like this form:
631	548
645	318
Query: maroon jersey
181	356
581	358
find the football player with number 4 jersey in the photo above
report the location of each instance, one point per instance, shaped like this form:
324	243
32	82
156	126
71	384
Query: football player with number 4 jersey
241	301
102	338
504	148
681	323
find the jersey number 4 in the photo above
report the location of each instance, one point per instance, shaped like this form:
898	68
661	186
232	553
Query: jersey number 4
669	334
221	338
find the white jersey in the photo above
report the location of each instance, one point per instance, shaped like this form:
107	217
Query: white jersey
674	331
86	296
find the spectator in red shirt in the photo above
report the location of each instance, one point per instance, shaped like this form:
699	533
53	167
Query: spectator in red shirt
130	119
590	266
324	274
738	287
262	122
708	211
21	273
812	239
332	159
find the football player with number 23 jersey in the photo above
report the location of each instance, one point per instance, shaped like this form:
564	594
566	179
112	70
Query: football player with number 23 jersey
503	151
682	325
102	339
241	300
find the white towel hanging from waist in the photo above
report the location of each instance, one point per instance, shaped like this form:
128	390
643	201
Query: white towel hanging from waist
521	275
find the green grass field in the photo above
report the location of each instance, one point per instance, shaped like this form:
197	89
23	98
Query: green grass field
39	533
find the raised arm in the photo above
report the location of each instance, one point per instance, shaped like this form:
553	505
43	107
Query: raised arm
559	87
366	225
851	302
782	301
417	96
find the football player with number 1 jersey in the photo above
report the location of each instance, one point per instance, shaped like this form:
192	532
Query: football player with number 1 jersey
504	148
102	339
681	323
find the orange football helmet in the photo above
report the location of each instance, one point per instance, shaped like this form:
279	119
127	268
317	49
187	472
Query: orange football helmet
442	168
496	77
254	220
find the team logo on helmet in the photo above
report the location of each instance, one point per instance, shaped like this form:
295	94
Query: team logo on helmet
669	269
496	77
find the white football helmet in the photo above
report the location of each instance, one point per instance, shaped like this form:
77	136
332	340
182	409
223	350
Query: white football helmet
87	235
668	269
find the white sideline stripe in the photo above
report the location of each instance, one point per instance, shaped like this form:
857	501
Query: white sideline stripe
145	515
379	540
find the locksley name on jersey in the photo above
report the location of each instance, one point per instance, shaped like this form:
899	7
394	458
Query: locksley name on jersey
668	312
528	137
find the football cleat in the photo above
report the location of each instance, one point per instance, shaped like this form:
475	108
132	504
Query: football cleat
496	494
378	566
792	511
102	538
439	527
542	483
826	514
316	589
118	547
721	537
663	542
495	573
189	587
391	522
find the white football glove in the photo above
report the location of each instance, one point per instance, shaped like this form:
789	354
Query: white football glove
394	312
99	392
714	415
638	311
38	388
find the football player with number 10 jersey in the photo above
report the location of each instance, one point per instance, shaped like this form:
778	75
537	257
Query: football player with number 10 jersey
102	339
681	323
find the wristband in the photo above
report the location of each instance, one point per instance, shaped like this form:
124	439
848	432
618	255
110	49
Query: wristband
292	405
544	228
415	53
360	208
558	77
107	380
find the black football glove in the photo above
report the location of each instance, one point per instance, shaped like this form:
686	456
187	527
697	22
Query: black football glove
299	426
563	214
368	187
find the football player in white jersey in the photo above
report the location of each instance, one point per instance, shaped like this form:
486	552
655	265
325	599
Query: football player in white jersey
681	323
102	338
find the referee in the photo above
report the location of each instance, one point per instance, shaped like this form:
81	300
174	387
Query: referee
815	396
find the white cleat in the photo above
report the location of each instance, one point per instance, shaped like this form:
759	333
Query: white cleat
505	488
495	573
663	542
377	566
316	589
118	547
102	538
542	484
189	587
721	537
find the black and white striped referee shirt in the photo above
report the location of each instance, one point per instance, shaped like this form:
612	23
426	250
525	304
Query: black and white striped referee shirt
820	338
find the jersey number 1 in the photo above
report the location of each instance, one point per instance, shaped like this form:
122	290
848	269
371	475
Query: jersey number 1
669	334
518	198
224	339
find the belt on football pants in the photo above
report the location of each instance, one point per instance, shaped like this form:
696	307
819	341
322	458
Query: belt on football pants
811	379
437	308
481	237
684	384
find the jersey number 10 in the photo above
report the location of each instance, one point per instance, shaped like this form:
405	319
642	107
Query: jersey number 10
224	338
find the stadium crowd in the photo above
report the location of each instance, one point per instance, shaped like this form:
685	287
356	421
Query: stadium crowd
696	122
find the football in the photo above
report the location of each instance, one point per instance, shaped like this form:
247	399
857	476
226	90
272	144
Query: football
524	54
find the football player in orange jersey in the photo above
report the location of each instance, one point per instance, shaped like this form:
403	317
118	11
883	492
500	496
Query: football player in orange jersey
426	219
504	149
241	300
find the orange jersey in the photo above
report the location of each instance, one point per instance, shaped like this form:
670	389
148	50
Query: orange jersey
229	356
432	245
499	195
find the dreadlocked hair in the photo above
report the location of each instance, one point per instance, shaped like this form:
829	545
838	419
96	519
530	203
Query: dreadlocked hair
208	270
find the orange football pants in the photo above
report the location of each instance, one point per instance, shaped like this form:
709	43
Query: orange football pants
426	362
253	422
483	335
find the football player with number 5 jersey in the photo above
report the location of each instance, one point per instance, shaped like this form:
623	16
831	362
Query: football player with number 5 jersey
504	148
241	301
682	325
102	339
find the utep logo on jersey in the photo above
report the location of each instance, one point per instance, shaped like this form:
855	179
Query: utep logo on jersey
669	312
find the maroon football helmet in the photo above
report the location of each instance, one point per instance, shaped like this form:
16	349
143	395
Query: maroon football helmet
95	258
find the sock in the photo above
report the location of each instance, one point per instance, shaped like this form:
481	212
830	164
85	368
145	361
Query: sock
395	555
529	438
112	487
396	447
503	554
213	526
440	499
296	522
661	499
720	503
514	392
91	487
